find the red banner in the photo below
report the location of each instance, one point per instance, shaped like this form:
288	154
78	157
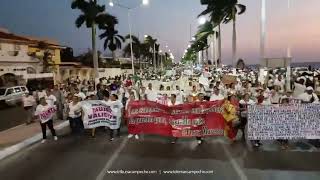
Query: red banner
186	120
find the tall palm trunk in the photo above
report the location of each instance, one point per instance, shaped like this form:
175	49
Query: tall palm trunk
234	41
219	45
207	55
215	49
263	32
202	57
95	53
114	55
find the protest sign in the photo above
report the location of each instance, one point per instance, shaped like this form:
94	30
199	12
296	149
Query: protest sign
98	113
204	81
47	114
294	121
185	120
229	79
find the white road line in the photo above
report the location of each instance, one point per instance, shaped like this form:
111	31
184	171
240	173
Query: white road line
234	163
114	156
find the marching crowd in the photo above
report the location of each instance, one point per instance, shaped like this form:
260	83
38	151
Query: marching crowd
246	89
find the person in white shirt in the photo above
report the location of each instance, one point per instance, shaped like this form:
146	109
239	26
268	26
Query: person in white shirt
180	94
51	99
74	115
80	94
28	103
270	82
41	94
287	96
216	96
151	93
44	112
173	100
143	95
244	103
91	91
131	98
116	107
299	88
275	96
239	87
309	96
279	82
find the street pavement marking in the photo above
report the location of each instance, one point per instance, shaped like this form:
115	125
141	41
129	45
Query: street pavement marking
234	163
114	156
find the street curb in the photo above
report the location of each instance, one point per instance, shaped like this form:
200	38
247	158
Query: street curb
17	147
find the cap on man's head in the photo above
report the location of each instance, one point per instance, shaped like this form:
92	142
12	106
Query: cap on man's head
309	88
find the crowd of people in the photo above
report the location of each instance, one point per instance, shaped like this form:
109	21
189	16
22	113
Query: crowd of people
246	89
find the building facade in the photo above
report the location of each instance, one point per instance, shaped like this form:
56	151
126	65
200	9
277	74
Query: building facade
21	59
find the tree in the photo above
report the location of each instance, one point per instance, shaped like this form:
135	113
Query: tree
152	45
85	59
224	11
92	14
113	40
204	32
240	64
47	62
137	48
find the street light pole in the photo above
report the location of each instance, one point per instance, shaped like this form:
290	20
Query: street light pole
263	32
154	56
130	34
144	2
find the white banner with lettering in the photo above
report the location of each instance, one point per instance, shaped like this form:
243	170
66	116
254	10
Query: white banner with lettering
98	113
294	121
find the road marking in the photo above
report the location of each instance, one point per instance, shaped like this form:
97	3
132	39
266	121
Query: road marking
234	163
114	156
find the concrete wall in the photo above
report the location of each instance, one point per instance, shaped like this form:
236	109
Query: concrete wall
71	72
111	72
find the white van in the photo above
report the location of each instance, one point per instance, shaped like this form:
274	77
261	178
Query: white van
12	95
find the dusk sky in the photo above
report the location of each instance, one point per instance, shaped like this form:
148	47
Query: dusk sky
169	22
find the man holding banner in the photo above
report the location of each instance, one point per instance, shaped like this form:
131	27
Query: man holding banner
117	107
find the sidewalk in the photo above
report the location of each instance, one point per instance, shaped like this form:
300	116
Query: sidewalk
19	137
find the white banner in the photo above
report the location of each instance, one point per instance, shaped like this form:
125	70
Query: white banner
47	114
294	121
98	113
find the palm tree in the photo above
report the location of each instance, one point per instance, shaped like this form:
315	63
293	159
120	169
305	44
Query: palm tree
231	10
199	45
113	40
224	11
151	44
47	62
137	48
205	31
92	14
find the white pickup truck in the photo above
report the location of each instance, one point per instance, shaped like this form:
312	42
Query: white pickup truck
12	95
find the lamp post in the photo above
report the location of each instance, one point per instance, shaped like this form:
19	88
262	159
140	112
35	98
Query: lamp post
263	31
144	3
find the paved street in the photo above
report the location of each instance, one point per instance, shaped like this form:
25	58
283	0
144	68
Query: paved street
84	158
11	117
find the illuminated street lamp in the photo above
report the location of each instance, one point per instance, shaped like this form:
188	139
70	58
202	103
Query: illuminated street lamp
202	20
111	4
144	3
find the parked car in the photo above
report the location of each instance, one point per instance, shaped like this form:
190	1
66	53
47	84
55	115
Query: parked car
12	95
